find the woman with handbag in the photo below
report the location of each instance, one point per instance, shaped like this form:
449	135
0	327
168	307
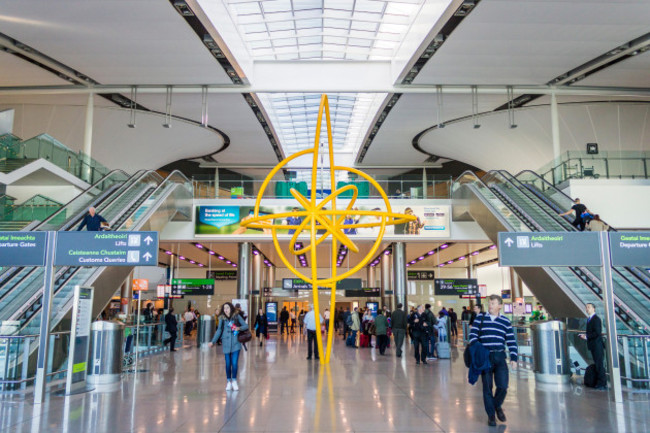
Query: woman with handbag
261	326
231	325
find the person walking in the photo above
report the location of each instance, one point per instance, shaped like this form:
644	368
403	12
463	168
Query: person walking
301	321
284	320
381	331
326	316
92	221
431	336
579	209
261	326
230	323
292	316
312	335
188	318
347	323
595	345
421	329
476	310
453	322
171	327
356	326
496	333
398	321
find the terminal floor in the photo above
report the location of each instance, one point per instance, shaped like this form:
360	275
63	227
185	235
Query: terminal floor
280	391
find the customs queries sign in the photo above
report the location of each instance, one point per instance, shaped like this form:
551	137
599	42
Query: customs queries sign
107	249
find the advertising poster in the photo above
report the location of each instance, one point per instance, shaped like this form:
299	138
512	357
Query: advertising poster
373	306
432	222
272	312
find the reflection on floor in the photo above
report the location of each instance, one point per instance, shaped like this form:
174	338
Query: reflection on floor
281	391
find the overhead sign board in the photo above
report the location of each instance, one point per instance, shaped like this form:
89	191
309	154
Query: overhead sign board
549	249
192	286
140	284
82	248
456	286
630	248
22	248
365	292
300	284
420	275
221	275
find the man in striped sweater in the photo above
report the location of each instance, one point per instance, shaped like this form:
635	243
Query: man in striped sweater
495	333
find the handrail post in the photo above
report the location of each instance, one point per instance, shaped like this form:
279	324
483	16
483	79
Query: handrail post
626	360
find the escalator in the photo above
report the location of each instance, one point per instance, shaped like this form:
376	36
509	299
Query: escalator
145	201
502	202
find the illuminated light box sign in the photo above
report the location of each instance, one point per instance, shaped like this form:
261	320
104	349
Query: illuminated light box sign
106	249
456	287
433	221
420	275
299	284
192	286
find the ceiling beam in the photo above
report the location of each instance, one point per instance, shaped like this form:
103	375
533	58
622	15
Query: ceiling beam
338	88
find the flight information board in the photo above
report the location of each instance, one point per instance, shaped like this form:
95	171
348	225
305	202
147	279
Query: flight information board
192	286
456	286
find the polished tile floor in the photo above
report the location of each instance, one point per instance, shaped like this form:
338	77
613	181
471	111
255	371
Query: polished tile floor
281	391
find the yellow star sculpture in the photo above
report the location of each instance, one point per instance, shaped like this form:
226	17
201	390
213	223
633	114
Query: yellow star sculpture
320	219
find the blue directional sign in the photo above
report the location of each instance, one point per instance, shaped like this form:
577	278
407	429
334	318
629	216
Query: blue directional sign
630	248
22	248
549	249
107	249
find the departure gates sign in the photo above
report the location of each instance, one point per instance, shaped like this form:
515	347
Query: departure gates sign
106	249
22	248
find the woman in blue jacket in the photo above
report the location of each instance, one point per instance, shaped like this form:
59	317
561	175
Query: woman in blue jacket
230	323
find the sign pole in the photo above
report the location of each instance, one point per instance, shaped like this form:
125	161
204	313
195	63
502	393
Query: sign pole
137	331
610	318
79	340
44	339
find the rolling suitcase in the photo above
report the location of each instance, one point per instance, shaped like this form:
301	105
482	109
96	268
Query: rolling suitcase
364	340
443	350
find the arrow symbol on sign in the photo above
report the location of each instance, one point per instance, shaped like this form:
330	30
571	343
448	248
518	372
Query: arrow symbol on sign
509	242
148	240
147	256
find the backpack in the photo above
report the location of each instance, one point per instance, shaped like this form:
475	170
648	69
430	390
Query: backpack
591	378
348	321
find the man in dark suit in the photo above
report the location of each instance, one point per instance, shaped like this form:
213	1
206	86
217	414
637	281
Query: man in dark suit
595	345
172	328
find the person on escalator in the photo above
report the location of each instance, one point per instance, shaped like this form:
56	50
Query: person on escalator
92	221
579	209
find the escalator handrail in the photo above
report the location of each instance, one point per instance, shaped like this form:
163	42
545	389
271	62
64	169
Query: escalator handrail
103	179
554	188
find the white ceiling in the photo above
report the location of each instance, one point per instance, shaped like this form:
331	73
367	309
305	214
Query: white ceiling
501	41
114	41
533	41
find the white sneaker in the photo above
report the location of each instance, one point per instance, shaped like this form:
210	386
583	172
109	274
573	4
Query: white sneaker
235	387
229	386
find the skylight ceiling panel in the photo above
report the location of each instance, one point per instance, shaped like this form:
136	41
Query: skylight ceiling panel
275	26
334	48
285	50
263	51
362	34
330	31
254	28
308	40
397	29
370	6
246	8
336	23
249	19
364	26
396	19
398	8
309	23
284	42
365	43
275	5
279	16
308	14
366	16
393	37
308	31
282	34
262	43
339	40
307	4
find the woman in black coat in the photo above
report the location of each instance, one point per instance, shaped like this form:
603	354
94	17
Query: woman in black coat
261	326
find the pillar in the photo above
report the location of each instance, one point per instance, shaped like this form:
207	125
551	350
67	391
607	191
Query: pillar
399	275
471	273
555	126
385	280
516	288
371	280
244	267
88	139
255	297
126	293
270	277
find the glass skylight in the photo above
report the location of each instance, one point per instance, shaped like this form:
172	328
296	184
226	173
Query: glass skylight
323	29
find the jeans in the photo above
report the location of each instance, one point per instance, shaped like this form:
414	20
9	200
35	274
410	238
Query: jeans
398	335
311	341
382	342
232	361
431	346
420	342
497	374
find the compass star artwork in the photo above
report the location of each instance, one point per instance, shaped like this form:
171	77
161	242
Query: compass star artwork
322	220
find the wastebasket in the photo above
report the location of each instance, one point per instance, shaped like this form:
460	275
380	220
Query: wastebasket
205	331
106	356
550	352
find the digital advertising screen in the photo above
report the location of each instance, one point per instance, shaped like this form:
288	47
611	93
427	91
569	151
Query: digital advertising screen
373	306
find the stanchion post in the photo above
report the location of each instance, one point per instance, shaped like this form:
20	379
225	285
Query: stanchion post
46	306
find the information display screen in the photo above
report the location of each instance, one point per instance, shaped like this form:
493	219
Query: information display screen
272	312
364	292
507	308
467	286
373	306
221	275
192	286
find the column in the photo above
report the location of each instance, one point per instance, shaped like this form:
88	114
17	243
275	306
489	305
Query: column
244	268
88	140
516	285
555	127
385	280
471	273
371	280
270	277
255	296
399	275
126	292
